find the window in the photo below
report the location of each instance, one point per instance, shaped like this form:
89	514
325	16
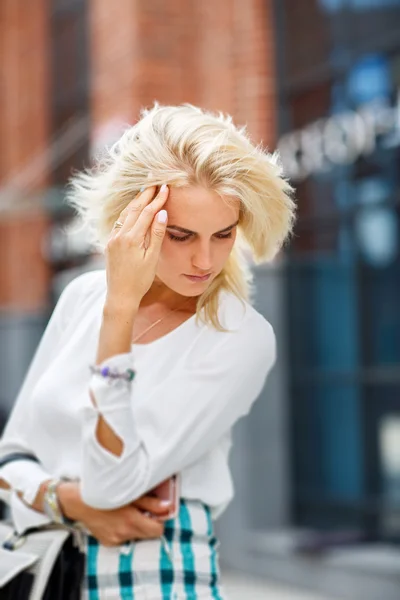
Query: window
340	144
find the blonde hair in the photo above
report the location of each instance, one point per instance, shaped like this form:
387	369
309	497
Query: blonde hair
185	146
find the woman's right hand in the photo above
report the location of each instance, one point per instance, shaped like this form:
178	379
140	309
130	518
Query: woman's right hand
114	527
133	250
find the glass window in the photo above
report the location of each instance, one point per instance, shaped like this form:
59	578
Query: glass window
340	146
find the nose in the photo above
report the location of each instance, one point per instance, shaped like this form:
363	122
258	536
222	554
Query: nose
201	258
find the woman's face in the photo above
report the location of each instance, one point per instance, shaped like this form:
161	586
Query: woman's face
200	234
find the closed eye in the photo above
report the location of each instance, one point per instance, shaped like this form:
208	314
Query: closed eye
176	238
223	236
179	238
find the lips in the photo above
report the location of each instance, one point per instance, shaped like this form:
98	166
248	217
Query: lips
198	277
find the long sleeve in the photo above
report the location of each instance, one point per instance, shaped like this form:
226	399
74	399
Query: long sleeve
26	476
180	421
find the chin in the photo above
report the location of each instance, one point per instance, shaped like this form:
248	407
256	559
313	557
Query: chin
193	293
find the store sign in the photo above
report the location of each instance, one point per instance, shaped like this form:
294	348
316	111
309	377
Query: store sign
340	139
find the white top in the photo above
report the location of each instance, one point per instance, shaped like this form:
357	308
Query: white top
191	386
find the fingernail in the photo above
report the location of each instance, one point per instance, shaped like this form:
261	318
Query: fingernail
163	188
162	216
142	188
165	503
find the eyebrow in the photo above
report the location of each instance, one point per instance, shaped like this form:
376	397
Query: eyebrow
183	230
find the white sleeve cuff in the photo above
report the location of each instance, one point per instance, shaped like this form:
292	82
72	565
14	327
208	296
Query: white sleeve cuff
24	517
113	399
24	476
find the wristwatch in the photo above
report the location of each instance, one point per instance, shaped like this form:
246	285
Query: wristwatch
51	505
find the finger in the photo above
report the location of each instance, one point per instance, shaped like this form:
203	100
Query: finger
166	517
153	505
147	526
135	206
133	210
158	229
145	196
143	224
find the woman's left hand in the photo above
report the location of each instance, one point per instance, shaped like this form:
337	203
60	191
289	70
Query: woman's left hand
142	519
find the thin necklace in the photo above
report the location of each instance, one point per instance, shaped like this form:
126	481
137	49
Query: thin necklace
137	337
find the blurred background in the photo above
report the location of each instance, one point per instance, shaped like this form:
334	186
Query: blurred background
317	463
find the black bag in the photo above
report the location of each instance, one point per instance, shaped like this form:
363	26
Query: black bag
42	564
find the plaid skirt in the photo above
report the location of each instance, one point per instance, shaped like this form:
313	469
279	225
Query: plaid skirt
183	564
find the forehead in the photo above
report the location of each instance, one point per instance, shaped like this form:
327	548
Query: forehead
199	209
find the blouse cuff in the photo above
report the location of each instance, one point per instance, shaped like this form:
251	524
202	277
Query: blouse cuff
25	477
113	400
25	517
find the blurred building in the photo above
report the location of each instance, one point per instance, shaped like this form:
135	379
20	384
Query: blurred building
317	464
336	513
339	89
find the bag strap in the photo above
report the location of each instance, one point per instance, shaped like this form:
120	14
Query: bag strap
17	456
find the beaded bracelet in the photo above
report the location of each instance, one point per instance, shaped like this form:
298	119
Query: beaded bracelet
128	375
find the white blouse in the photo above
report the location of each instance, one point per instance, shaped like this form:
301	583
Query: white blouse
191	386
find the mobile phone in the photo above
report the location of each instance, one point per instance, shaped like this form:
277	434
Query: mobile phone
169	490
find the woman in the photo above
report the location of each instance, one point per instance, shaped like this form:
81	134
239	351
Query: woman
145	366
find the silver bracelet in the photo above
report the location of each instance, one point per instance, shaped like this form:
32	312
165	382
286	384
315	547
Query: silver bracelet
113	374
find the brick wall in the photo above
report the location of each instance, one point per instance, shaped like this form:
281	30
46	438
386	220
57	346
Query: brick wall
217	54
24	131
24	77
255	87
